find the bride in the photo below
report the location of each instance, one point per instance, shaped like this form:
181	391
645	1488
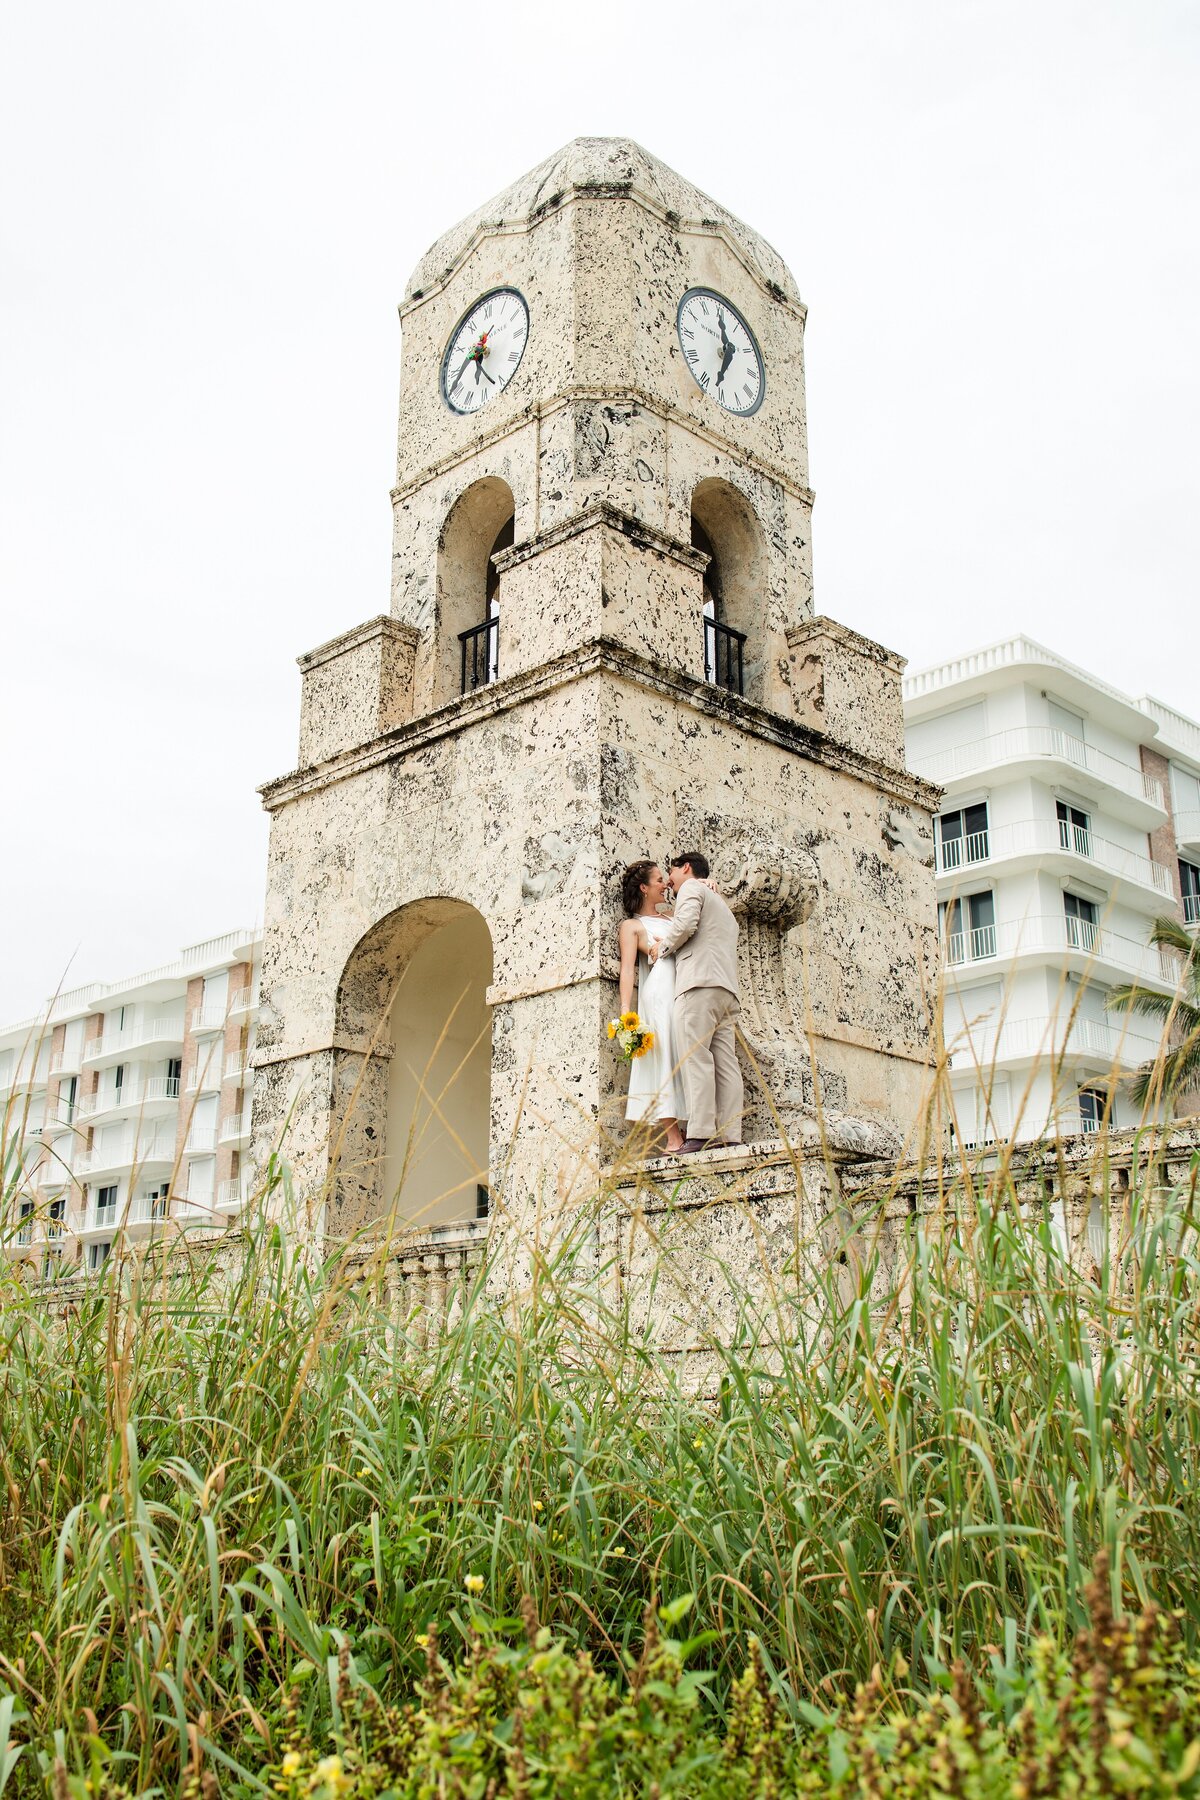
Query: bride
655	1090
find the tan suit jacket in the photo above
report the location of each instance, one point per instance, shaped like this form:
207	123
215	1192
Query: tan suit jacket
703	940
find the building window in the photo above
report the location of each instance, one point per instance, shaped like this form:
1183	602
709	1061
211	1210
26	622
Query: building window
1093	1103
56	1213
1082	923
1074	829
68	1095
968	927
25	1226
483	1201
174	1076
98	1254
1189	887
963	837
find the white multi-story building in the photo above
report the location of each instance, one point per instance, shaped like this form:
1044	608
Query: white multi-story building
126	1107
1071	819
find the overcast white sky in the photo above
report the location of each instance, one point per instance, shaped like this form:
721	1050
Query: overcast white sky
208	215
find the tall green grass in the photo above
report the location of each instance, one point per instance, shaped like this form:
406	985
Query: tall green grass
219	1472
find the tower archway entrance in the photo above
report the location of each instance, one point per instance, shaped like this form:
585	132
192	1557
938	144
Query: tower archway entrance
412	1071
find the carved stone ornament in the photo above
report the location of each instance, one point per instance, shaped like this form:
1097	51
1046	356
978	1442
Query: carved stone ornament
773	887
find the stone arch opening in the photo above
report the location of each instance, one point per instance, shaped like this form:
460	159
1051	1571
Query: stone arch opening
412	1071
725	527
478	525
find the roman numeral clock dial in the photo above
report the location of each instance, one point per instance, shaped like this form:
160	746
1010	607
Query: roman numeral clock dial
721	351
485	350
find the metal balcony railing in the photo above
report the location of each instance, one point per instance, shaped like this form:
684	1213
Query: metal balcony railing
724	664
1054	934
1033	742
956	853
480	648
154	1031
1191	909
1034	837
970	946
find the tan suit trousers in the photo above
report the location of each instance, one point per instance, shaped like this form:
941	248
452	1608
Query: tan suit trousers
708	1064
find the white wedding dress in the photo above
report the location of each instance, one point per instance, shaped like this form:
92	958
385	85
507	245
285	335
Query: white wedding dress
655	1090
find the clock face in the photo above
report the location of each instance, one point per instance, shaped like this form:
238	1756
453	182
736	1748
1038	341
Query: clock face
721	351
485	350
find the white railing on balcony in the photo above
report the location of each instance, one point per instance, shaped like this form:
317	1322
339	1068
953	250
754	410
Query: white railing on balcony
1059	933
236	1128
235	1066
127	1153
102	1218
970	946
205	1072
1112	1042
154	1031
1191	909
1035	837
66	1062
232	1195
148	1211
1187	826
243	1000
200	1139
1025	742
129	1097
208	1018
956	853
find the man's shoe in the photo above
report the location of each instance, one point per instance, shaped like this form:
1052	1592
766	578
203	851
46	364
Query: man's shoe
690	1146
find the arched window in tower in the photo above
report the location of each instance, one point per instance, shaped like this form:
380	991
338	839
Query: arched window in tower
725	528
478	526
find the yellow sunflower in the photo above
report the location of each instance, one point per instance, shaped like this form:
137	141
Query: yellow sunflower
629	1021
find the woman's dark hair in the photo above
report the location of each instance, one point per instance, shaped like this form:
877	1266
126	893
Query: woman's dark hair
699	863
632	882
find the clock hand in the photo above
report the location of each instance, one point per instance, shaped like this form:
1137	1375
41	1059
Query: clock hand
726	346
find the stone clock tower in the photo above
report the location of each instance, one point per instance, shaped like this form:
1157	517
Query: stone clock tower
601	644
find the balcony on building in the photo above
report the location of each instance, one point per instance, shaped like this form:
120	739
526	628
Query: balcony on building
152	1095
1061	845
119	1046
205	1074
1079	944
232	1194
132	1150
236	1128
1044	753
1103	1044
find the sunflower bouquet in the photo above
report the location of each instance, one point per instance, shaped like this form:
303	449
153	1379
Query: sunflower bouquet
630	1035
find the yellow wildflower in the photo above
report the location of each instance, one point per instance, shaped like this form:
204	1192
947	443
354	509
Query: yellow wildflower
330	1774
290	1766
474	1584
617	1550
537	1505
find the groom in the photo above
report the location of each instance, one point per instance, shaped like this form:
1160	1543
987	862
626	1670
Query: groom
703	940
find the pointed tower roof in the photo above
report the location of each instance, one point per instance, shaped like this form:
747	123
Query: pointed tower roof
615	167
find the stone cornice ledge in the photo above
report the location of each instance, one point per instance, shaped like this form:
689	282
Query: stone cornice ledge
602	656
383	625
598	513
